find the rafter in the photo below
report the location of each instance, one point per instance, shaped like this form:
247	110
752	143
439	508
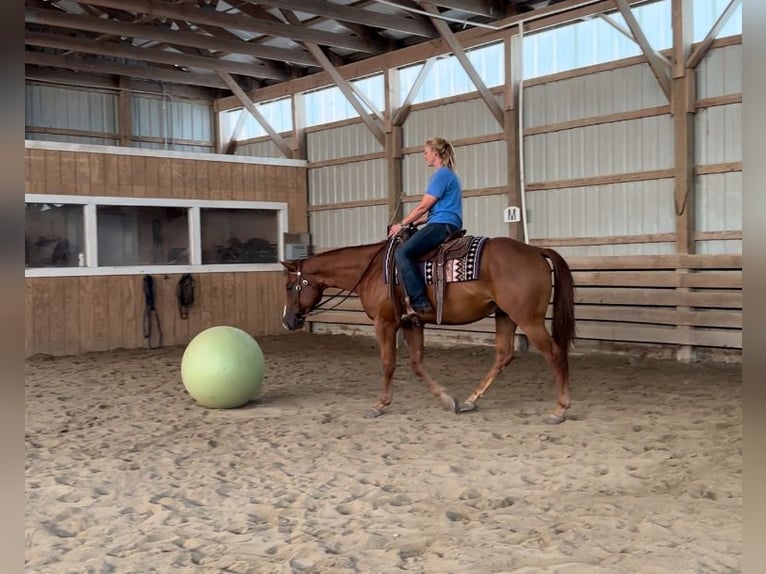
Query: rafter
404	110
144	72
659	65
339	12
704	46
373	125
194	14
454	45
102	25
485	8
278	140
147	54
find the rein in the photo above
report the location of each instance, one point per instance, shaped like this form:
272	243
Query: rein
322	305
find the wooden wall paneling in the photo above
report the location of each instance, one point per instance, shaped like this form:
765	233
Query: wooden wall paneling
240	300
99	304
202	182
111	175
138	175
227	314
68	176
117	313
165	176
223	184
71	307
52	172
152	176
213	182
237	182
252	187
30	327
36	173
125	175
42	313
188	180
96	168
82	174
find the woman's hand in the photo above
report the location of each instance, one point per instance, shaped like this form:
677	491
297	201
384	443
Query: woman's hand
394	229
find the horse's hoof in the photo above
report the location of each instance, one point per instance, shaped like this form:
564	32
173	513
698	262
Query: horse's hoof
373	413
552	419
449	403
466	407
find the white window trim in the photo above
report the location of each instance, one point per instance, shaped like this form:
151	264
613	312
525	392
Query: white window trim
91	268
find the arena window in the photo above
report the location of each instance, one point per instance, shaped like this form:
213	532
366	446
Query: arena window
85	235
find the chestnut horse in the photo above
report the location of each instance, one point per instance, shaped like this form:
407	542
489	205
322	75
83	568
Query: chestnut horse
515	282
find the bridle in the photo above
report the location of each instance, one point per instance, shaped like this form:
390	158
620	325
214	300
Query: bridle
302	282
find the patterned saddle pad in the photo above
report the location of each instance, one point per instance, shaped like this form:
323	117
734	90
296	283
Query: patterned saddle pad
464	268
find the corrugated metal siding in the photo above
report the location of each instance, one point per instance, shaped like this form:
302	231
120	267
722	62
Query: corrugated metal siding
57	107
454	121
265	148
171	119
484	215
479	166
634	208
602	93
618	250
344	141
720	72
344	227
719	246
606	149
358	181
719	202
719	134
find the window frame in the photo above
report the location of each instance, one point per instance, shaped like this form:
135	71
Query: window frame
193	206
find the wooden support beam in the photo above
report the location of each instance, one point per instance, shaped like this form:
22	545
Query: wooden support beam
704	46
393	148
299	127
231	145
656	62
175	37
404	110
253	109
195	14
512	127
342	84
125	115
349	13
454	45
682	109
78	64
144	54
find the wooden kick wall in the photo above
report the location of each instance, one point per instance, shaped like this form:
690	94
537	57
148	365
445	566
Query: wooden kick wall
71	315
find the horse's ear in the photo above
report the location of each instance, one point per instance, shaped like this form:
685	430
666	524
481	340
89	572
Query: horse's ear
289	265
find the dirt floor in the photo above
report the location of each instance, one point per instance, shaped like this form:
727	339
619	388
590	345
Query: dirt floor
126	473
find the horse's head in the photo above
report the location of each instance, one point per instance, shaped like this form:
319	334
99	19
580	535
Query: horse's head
301	297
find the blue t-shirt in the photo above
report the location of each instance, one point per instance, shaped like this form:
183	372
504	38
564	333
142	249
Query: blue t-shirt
444	185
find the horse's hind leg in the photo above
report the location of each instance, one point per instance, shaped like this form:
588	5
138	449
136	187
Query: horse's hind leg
504	332
414	337
385	332
537	333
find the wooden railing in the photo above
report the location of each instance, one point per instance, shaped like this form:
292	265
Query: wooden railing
685	300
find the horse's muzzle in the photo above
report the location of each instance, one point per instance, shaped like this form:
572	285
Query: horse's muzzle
293	322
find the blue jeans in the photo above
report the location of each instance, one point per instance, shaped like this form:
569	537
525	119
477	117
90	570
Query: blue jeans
423	240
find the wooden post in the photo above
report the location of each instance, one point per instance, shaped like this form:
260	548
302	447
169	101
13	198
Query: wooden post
513	71
682	105
125	104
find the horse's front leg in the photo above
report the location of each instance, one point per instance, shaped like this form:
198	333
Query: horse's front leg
385	331
414	337
505	330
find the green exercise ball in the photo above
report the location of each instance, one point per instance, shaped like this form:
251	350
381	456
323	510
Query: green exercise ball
222	367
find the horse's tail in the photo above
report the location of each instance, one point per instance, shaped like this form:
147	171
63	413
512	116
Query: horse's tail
563	328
